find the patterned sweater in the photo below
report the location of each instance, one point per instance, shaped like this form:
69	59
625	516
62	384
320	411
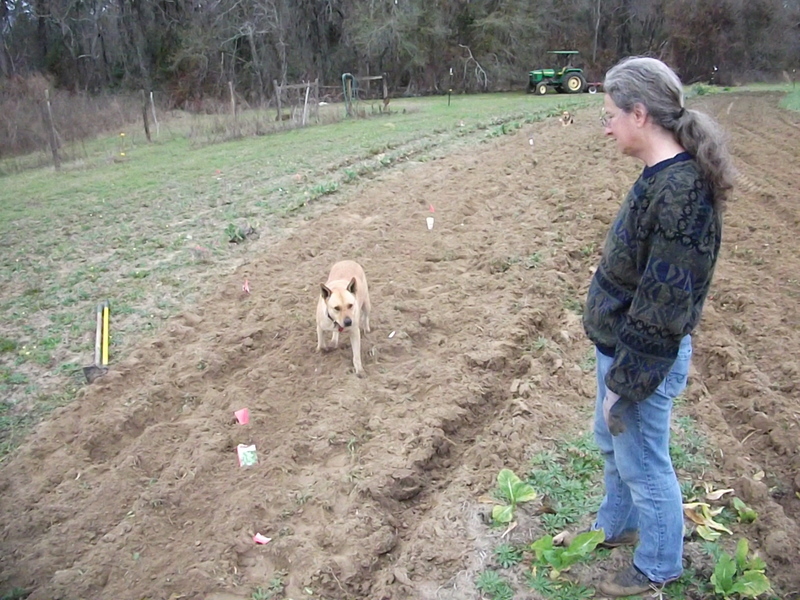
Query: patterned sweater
654	275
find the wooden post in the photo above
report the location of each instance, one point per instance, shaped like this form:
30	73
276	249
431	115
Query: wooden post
233	100
277	98
51	130
316	99
384	79
233	108
305	103
348	95
144	116
153	110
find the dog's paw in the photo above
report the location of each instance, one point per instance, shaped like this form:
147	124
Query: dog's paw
361	374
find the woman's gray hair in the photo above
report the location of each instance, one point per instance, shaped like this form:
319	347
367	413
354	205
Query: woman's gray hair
651	83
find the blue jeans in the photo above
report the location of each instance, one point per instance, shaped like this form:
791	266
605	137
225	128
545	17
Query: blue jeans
642	491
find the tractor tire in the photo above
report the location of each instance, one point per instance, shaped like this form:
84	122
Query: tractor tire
541	88
592	89
574	83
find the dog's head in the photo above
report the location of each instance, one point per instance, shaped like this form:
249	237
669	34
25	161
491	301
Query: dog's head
566	117
340	304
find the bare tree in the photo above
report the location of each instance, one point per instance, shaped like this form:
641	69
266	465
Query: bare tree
479	73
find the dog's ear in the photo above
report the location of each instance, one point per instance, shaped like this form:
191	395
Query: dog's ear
351	287
326	293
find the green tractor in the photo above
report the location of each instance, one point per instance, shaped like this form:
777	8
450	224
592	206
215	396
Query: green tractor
567	79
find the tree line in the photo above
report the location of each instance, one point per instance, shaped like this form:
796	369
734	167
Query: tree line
194	48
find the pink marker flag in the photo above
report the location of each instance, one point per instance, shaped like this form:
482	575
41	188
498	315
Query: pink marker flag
243	416
260	539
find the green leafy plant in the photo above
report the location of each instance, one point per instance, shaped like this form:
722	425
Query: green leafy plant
492	585
744	512
569	479
7	345
560	589
15	594
740	576
589	361
507	555
688	448
513	490
323	189
540	343
559	558
274	589
234	233
574	305
533	261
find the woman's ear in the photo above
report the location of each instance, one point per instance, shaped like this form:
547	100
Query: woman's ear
640	114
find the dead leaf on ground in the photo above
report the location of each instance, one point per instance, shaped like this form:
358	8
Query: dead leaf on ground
489	500
713	495
511	527
702	514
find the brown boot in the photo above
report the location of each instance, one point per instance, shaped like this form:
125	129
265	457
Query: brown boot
628	582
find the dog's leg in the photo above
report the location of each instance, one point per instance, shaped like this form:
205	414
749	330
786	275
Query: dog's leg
335	338
320	340
365	309
355	342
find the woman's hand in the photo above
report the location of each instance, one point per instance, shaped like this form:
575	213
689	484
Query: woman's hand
614	422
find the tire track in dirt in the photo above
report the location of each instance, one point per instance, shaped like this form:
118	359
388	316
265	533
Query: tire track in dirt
764	142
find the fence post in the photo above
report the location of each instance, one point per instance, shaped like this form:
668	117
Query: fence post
153	110
305	103
348	93
316	99
144	116
233	109
277	98
51	130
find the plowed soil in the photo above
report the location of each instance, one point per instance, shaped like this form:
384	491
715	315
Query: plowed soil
369	486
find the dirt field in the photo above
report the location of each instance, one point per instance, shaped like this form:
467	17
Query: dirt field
369	487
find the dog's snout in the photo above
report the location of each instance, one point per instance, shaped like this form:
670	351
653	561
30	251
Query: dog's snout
348	321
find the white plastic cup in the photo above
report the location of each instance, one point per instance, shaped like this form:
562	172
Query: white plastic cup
429	220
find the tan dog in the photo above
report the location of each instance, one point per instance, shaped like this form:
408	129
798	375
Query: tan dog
344	307
566	118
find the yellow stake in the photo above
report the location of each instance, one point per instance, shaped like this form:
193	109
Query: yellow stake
106	311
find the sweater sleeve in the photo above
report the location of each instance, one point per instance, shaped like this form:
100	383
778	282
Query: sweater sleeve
677	268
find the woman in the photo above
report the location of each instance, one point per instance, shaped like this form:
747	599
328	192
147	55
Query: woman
643	303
